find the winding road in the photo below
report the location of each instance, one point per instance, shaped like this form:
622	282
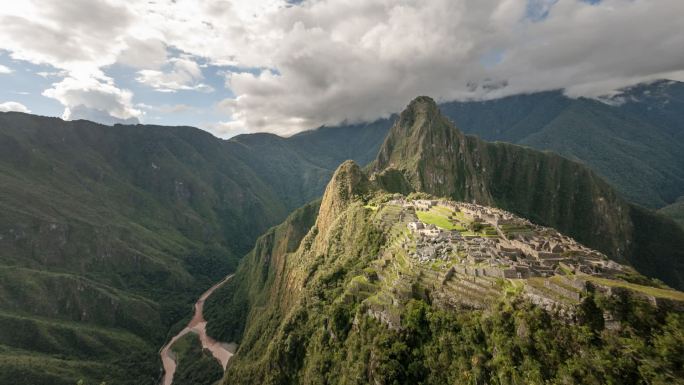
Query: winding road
220	350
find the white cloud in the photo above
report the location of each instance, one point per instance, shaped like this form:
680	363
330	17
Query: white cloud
381	53
94	98
185	74
77	38
148	53
225	129
327	61
76	34
13	106
167	108
5	70
52	74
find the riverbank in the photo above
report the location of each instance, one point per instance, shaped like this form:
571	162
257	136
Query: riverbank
222	351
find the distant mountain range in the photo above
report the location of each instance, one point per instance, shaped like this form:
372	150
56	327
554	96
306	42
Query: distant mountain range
633	139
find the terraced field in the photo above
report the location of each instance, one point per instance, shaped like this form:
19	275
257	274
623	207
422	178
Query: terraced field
453	279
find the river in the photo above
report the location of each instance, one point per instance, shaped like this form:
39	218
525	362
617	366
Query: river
220	350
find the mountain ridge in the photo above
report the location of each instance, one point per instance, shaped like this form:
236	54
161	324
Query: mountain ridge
635	147
435	157
344	307
113	230
119	216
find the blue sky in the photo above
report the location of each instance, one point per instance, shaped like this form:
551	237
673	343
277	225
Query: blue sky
25	86
282	66
27	81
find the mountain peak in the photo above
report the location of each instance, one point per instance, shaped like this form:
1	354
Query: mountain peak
422	103
420	144
347	182
420	111
420	133
425	152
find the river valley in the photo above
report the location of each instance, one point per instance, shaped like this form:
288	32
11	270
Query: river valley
222	351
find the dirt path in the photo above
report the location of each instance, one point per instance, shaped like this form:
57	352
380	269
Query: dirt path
220	350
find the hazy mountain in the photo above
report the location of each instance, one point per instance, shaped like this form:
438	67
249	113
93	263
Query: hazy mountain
675	211
633	139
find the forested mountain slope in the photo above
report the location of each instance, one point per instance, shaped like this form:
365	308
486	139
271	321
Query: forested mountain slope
675	211
634	139
108	233
338	294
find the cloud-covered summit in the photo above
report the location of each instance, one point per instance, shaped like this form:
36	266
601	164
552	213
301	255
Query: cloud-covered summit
279	66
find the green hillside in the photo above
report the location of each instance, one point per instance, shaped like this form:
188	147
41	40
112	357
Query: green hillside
108	233
675	211
195	366
350	305
634	140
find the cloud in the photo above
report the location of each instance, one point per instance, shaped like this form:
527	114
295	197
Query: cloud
94	98
13	106
52	74
297	66
225	129
538	10
167	108
93	114
148	53
77	38
74	34
185	74
5	70
370	62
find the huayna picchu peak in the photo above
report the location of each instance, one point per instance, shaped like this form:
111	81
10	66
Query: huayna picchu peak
425	152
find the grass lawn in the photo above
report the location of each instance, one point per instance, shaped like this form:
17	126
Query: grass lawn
438	219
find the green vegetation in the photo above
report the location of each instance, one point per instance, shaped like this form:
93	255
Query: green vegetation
675	211
195	365
121	228
635	146
514	343
436	158
438	219
648	290
227	310
331	310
